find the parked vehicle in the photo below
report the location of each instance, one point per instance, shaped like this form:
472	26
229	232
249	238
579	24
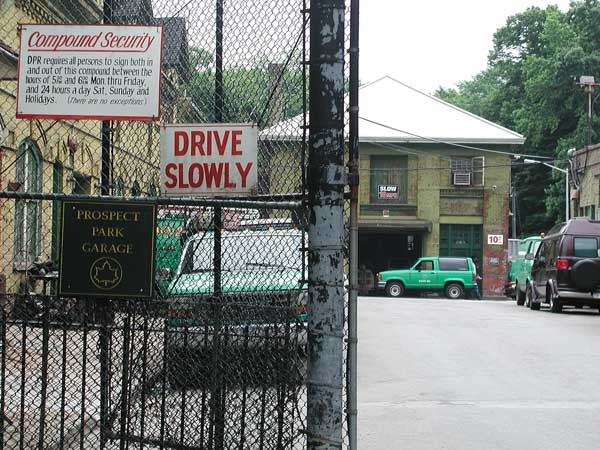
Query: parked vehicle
510	283
566	268
170	225
521	266
452	276
262	306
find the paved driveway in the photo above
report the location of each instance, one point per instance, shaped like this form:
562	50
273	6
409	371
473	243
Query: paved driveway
488	375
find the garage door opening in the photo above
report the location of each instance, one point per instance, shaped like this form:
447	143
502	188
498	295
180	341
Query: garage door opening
388	250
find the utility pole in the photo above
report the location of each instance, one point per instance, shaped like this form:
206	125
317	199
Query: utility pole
589	84
326	181
513	199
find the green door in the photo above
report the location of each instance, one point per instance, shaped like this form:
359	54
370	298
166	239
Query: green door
423	276
461	240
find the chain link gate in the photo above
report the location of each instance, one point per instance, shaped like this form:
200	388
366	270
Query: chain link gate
191	367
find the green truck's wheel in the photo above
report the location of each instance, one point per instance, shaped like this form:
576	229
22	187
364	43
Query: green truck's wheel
395	289
454	291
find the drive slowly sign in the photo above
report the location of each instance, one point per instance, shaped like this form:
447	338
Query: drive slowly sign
89	72
208	160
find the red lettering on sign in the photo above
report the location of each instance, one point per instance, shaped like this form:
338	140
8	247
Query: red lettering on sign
221	144
197	142
213	174
196	175
169	169
228	184
209	143
244	172
182	184
181	143
235	141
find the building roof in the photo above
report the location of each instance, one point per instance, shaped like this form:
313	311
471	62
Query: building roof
132	11
175	47
391	111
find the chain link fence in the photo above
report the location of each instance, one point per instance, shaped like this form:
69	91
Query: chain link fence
191	366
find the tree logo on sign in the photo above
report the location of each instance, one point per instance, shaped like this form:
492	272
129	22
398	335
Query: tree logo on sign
106	273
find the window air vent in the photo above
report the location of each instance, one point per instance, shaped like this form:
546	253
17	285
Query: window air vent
462	179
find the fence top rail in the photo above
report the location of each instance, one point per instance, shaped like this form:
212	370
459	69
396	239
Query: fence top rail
285	201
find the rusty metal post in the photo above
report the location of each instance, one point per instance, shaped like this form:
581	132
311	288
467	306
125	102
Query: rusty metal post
326	180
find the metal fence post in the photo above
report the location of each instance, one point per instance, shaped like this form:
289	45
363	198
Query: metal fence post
105	172
326	180
104	335
217	392
352	404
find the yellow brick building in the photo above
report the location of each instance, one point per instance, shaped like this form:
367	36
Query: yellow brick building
434	180
64	156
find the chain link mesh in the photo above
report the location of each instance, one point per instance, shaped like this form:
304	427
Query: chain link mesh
186	368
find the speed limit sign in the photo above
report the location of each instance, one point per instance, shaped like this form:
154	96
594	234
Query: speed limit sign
495	239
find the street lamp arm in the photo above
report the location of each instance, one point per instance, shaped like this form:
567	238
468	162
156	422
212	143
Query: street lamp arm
565	171
556	168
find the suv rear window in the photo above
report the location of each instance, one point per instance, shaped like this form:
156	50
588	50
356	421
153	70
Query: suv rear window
585	247
454	264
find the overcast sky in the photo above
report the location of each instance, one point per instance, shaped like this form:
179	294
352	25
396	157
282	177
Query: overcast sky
432	43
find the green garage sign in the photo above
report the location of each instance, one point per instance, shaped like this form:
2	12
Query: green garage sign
107	249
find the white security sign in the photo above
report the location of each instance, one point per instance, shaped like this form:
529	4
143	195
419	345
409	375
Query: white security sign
207	160
495	239
89	72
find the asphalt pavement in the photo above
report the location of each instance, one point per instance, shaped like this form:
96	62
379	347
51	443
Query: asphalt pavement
476	375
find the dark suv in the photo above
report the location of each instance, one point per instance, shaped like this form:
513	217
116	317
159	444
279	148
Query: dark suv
566	267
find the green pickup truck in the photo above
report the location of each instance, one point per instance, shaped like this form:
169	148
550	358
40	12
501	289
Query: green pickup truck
453	276
521	266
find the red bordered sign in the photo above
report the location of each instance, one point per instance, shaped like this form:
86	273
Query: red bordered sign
208	159
89	72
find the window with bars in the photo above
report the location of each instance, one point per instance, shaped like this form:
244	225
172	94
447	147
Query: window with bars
466	171
28	212
388	179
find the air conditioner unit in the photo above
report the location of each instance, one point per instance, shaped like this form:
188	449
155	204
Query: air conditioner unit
462	179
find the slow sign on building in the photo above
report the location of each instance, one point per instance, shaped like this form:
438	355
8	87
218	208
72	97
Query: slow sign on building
205	160
387	192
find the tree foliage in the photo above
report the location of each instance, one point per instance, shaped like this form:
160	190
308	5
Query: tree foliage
530	86
263	93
